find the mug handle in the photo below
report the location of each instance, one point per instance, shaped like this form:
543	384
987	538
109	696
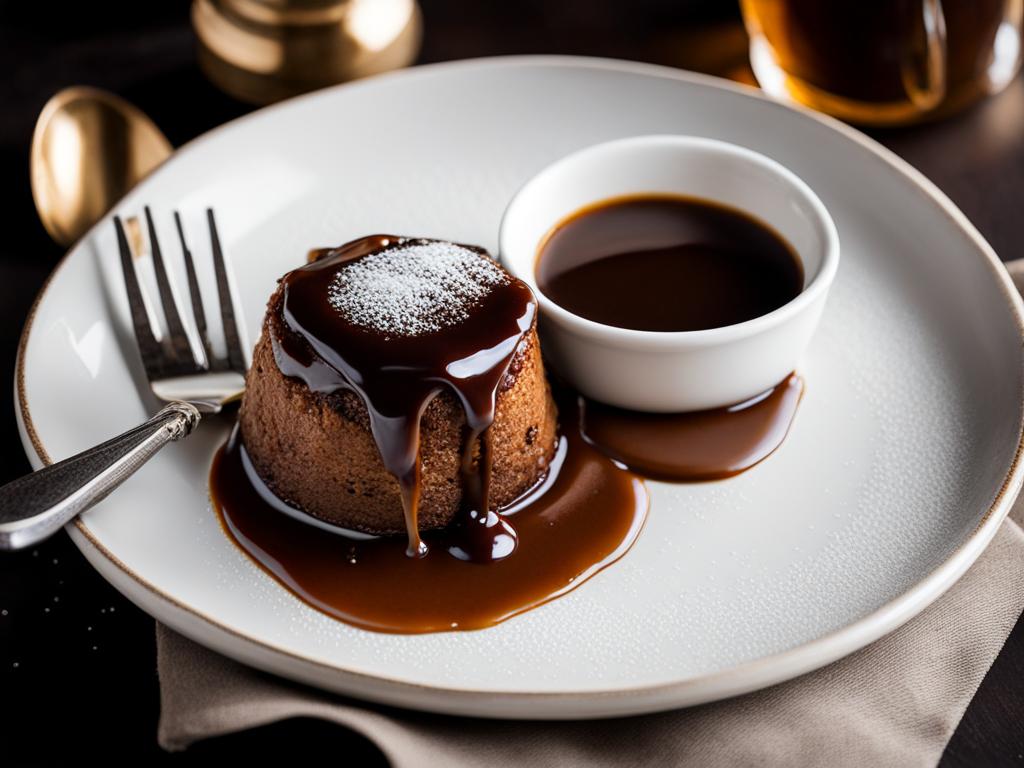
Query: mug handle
923	69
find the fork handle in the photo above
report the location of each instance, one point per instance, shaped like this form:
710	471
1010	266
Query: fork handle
34	507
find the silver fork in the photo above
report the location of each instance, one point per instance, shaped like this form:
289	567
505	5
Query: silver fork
34	507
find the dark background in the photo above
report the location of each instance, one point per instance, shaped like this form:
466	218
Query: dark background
77	660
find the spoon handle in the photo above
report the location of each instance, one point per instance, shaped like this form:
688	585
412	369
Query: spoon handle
36	506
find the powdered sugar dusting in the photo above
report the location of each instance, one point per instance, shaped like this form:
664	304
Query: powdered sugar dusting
414	288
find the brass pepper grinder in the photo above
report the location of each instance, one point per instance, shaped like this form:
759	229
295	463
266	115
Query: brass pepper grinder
263	51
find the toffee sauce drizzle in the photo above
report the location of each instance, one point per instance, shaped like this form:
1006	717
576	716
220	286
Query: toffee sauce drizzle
397	376
695	446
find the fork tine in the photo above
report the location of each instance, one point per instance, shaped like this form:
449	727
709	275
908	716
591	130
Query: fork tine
149	347
177	341
236	360
197	299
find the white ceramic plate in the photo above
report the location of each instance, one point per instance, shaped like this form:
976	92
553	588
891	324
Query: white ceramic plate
901	464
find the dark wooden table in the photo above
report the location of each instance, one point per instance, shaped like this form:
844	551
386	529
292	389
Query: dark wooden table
77	672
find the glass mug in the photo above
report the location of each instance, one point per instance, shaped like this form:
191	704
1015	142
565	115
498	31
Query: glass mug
884	62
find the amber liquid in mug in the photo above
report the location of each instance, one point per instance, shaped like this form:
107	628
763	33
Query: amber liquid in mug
885	61
667	263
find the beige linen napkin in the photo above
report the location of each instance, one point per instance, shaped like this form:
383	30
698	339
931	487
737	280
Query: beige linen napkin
895	702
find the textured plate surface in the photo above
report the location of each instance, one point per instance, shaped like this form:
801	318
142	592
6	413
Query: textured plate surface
899	468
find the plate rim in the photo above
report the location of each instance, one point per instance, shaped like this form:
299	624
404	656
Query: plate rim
728	681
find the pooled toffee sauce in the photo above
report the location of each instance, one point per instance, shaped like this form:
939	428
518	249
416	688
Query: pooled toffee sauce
667	263
696	446
583	516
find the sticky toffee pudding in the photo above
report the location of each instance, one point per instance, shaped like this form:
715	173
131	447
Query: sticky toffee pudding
396	384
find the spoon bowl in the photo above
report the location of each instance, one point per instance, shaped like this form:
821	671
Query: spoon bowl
88	149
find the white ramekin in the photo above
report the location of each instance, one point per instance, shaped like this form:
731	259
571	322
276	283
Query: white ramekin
675	371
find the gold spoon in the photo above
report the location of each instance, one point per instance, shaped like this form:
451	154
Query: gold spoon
89	148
